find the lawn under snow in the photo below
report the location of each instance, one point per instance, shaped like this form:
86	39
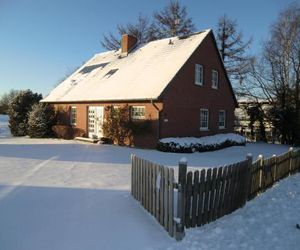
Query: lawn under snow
68	195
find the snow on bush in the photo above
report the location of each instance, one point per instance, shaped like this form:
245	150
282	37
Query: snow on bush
193	144
40	120
18	111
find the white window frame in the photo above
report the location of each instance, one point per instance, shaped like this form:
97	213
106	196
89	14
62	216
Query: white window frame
73	115
135	115
206	128
214	79
224	119
198	74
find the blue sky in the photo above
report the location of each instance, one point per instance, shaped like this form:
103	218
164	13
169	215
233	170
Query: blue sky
41	40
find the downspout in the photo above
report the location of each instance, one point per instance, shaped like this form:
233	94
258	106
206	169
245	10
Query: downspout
154	105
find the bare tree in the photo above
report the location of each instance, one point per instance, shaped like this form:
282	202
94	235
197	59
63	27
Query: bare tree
144	30
173	20
276	76
232	48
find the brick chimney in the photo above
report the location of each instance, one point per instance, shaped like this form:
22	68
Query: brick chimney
128	43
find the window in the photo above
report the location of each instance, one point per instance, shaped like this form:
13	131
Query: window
73	116
198	74
110	73
138	112
215	79
222	119
204	119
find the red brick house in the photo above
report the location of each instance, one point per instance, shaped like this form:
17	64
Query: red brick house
179	84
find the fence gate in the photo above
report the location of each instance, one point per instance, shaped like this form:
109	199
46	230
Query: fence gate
153	186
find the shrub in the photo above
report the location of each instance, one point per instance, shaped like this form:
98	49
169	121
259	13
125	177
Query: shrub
19	109
116	124
67	132
40	121
208	143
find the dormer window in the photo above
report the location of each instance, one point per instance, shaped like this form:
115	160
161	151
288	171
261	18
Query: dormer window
198	74
215	79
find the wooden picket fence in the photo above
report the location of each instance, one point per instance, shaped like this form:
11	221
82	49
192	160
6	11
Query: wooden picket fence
206	195
265	172
212	193
153	186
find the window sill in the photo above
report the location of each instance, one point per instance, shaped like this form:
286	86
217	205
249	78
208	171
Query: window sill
204	129
199	84
137	119
222	128
216	88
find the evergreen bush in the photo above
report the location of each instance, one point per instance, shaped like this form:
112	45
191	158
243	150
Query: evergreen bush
40	121
18	111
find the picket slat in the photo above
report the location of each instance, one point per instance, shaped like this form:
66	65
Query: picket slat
201	197
217	196
171	202
189	194
212	194
195	198
206	200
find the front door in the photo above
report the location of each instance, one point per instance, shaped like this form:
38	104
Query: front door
95	122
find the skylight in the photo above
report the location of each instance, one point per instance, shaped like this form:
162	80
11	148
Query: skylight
90	68
110	73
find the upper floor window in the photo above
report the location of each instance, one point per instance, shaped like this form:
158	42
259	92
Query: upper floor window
222	119
198	74
204	119
215	79
73	116
138	112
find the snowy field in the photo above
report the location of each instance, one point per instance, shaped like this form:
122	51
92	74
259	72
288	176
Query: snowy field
67	195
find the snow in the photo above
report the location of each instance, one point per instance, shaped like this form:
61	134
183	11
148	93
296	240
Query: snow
68	195
139	75
206	140
267	222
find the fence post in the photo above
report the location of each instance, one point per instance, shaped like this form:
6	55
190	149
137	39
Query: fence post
291	149
261	163
181	199
248	177
275	169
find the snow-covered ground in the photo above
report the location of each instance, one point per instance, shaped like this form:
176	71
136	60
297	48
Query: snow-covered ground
68	195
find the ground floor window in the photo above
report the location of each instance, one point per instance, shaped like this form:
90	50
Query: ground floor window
138	112
204	119
222	119
73	116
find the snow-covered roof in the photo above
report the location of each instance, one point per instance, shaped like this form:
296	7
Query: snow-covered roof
252	100
143	74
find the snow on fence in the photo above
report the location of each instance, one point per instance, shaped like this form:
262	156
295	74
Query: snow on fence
206	195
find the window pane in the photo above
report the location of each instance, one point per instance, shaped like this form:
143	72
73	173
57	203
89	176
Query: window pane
198	74
222	118
215	80
73	115
204	116
138	112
